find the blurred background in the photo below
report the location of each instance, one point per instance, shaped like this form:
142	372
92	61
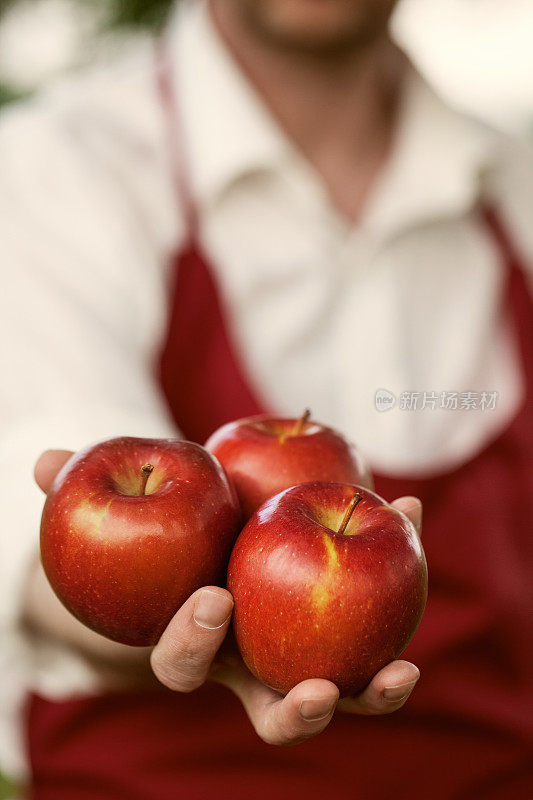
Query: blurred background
478	53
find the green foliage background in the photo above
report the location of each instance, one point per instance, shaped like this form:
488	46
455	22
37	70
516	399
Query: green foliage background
118	14
8	789
136	13
124	13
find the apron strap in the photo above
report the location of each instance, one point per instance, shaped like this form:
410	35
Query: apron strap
201	370
175	140
517	294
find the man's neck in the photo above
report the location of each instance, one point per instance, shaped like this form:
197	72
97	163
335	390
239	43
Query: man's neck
339	112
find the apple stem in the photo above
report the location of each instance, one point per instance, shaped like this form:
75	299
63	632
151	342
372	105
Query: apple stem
146	471
356	499
299	426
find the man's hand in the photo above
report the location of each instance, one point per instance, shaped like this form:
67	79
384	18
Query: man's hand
191	650
195	647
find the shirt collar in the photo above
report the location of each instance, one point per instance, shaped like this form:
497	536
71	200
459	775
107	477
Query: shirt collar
227	130
436	168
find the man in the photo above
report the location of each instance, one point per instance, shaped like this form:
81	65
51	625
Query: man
351	234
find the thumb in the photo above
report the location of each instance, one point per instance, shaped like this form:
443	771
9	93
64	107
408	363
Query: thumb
48	465
412	508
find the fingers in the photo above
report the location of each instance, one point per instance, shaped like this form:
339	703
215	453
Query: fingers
182	658
367	479
412	508
303	713
48	465
387	691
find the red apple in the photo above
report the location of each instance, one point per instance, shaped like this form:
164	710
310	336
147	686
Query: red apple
264	455
131	527
329	581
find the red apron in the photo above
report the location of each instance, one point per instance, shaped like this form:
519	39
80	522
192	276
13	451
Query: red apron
466	733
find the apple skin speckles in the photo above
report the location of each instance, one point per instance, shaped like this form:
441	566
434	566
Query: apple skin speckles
263	455
343	606
122	562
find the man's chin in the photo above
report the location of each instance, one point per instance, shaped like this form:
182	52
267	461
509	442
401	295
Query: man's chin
317	27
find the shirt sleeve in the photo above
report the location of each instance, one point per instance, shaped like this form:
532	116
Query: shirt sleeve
82	305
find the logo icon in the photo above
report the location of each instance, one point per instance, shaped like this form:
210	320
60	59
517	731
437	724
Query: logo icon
384	400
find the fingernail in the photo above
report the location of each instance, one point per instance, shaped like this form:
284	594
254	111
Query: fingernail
394	694
212	610
315	710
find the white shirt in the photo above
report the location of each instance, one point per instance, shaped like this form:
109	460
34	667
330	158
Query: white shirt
323	313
